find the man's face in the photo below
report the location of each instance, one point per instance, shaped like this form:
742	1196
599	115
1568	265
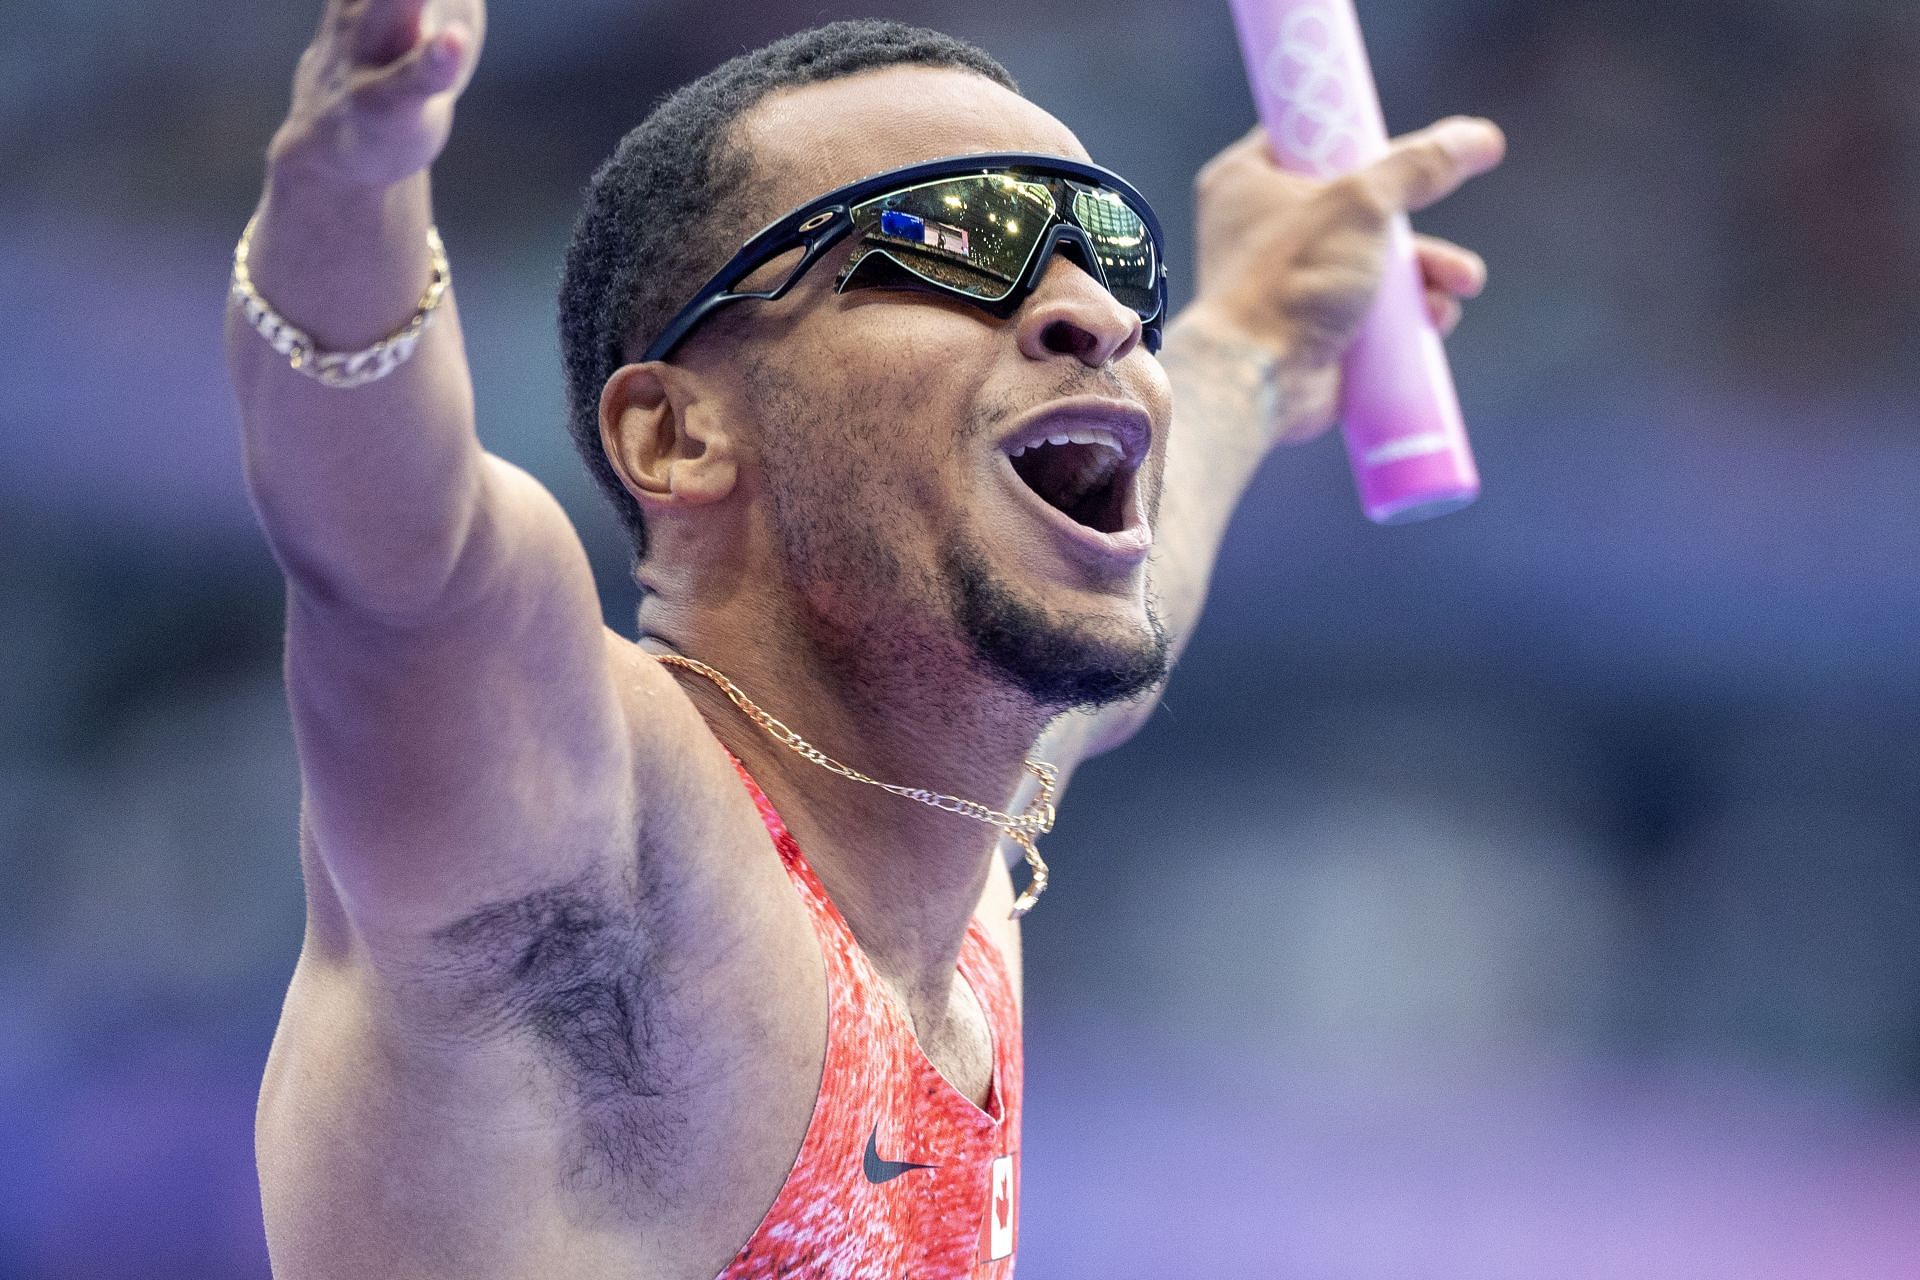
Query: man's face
886	423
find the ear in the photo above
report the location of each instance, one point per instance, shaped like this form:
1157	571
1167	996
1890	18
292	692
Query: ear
664	441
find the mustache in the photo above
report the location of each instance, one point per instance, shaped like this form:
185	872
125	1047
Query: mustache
1083	382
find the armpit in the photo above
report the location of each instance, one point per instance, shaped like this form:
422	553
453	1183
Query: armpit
574	973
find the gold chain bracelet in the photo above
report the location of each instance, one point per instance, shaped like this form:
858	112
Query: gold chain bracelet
341	369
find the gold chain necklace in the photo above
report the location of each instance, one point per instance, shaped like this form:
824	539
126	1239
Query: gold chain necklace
1035	820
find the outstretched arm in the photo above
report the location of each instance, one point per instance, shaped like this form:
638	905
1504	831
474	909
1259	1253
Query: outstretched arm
460	730
366	495
1287	267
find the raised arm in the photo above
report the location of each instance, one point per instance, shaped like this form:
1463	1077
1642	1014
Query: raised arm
1287	266
457	717
365	494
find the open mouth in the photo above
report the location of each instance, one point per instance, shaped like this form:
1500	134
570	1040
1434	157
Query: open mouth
1082	473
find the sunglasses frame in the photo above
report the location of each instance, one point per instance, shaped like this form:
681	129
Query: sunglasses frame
822	223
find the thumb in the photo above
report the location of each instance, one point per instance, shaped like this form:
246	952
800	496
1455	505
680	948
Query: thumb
1430	164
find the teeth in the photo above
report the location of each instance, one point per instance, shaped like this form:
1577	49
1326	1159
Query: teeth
1099	436
1094	435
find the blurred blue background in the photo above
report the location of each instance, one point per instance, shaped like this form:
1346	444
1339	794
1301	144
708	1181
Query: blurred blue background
1530	893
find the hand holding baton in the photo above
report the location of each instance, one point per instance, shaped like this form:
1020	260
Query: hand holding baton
1400	416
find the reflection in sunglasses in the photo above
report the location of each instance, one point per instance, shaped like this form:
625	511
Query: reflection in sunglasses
905	226
977	234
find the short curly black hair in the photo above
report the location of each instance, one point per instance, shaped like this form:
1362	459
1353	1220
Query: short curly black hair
670	206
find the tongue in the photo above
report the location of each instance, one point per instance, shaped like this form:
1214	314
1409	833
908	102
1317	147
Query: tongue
1070	478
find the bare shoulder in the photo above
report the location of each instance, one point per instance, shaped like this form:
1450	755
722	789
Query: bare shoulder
599	1043
640	892
592	905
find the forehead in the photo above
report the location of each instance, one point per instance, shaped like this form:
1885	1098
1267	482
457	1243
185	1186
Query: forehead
809	140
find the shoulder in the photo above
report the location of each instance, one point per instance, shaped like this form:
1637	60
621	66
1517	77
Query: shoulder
695	858
576	932
633	981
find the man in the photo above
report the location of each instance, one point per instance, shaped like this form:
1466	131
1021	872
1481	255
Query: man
606	973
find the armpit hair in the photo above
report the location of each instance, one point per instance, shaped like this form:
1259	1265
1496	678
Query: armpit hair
575	971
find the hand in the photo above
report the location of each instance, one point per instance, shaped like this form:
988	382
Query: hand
1289	264
373	97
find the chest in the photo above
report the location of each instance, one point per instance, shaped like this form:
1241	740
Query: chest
673	1126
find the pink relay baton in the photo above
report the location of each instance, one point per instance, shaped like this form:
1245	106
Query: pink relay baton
1400	415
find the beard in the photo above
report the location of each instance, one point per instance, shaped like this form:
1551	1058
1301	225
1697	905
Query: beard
1060	663
888	626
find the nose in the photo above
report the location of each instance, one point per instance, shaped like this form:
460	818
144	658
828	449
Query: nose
1071	313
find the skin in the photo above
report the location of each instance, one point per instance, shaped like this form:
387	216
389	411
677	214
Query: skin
835	599
517	824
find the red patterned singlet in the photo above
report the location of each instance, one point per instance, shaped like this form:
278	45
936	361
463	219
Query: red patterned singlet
900	1176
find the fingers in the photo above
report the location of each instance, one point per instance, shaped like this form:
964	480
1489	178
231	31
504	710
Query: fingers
434	66
1444	309
1430	164
1449	267
385	30
1449	273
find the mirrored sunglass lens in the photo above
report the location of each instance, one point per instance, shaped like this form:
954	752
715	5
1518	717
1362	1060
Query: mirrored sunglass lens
1124	246
973	234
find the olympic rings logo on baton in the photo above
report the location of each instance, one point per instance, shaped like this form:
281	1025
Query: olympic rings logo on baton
1304	71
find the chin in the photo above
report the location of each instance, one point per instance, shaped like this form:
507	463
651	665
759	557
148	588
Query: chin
1061	661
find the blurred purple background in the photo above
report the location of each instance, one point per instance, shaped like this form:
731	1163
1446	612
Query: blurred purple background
1531	893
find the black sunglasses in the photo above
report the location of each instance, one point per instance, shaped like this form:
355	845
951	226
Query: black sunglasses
980	228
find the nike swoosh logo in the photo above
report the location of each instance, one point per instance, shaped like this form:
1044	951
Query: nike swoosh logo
878	1170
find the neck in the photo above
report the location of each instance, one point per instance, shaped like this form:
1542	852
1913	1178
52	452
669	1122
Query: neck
906	876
